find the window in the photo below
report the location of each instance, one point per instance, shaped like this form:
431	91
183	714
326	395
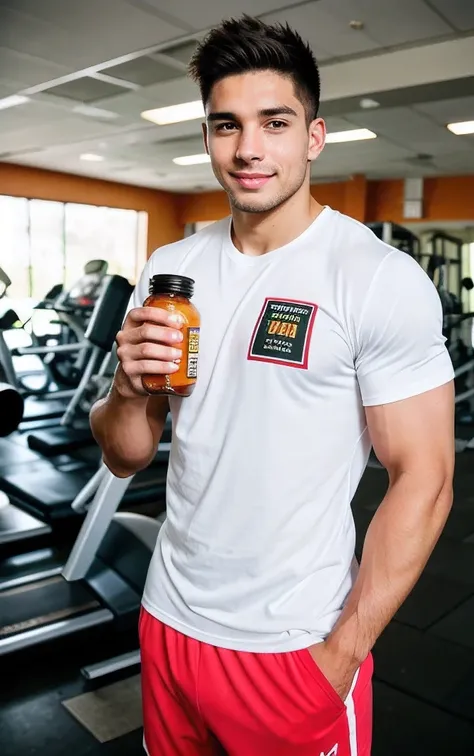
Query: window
15	244
100	233
47	243
46	246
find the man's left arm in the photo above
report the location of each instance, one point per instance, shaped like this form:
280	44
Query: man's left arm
414	441
405	377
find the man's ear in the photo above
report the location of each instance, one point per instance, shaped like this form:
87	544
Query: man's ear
317	138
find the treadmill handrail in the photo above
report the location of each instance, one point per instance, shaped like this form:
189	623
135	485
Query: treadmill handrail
106	501
54	349
85	494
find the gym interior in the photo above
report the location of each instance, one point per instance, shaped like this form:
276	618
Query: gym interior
102	162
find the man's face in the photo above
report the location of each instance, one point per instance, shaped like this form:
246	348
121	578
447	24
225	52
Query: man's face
258	139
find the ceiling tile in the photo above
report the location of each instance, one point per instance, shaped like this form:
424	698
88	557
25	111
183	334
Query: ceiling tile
327	35
385	21
460	13
22	70
85	89
449	111
144	71
68	130
171	92
6	89
81	34
22	33
28	116
402	123
201	15
182	52
130	104
337	124
462	161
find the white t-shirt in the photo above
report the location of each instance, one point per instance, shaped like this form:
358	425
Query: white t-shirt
257	550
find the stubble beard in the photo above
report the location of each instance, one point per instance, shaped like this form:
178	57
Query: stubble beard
257	205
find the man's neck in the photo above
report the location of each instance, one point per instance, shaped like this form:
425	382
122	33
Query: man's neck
255	234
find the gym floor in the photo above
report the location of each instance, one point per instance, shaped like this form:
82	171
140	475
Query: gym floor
424	662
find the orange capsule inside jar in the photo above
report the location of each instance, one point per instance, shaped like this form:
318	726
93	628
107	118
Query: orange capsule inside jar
173	293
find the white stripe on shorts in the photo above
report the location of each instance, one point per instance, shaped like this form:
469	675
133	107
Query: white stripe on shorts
351	718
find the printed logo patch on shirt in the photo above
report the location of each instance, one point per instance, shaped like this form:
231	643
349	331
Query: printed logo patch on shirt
283	332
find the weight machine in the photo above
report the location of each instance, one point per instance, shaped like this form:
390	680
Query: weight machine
397	236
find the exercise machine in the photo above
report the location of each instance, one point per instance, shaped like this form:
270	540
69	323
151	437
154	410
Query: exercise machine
65	357
9	321
73	309
101	583
397	236
98	342
40	493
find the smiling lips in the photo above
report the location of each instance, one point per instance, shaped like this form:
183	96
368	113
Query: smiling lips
252	180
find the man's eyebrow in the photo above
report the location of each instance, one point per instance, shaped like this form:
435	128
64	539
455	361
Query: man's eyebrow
264	113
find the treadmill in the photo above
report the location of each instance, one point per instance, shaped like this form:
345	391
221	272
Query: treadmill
37	406
38	495
101	583
45	479
99	340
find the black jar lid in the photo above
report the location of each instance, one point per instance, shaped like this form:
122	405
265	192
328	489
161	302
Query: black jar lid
172	284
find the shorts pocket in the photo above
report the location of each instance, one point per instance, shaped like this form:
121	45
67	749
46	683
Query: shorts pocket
321	679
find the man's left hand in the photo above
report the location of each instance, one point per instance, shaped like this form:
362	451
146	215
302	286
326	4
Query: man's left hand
336	667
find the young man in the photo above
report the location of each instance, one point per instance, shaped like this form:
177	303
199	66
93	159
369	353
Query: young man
317	341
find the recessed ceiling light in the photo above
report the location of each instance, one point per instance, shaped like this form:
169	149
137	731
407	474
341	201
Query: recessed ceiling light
351	135
12	101
357	25
462	127
192	159
91	157
368	103
186	111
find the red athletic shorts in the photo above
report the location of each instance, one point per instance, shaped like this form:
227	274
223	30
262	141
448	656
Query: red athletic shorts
201	699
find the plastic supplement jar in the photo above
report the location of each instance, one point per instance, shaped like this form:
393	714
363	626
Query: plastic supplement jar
173	293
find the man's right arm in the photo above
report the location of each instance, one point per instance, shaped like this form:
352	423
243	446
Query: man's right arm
128	430
128	423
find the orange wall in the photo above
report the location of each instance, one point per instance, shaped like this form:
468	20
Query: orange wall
446	198
449	198
164	225
209	206
385	201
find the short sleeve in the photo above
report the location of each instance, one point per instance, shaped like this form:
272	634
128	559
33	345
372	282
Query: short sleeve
401	350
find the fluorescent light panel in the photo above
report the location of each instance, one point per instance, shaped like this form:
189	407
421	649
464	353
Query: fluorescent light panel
187	111
192	159
461	128
352	135
92	157
12	101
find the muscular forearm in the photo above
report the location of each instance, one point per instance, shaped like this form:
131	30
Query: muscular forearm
399	541
121	428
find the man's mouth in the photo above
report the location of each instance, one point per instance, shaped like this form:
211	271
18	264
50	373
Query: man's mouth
252	180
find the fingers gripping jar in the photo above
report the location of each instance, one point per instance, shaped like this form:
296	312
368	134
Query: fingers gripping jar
173	293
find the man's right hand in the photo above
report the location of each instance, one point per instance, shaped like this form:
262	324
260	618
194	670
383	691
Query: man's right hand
148	344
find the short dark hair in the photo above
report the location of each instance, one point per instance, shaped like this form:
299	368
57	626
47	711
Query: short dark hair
248	44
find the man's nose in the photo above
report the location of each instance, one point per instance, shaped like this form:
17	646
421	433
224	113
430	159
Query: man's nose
250	145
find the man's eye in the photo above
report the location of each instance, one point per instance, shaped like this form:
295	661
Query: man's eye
277	124
225	126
